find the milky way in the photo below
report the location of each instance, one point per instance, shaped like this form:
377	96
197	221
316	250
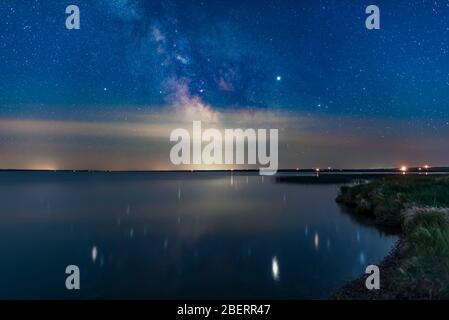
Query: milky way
312	59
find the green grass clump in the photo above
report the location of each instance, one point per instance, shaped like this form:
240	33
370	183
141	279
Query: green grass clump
386	198
428	239
424	263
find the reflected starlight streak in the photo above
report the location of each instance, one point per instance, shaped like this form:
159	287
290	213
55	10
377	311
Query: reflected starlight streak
316	241
275	269
94	254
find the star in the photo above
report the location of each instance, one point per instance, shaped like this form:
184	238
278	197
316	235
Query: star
278	78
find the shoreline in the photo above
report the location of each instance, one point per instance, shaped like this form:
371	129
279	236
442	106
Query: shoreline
415	268
356	290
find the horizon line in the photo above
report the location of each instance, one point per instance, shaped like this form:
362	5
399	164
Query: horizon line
323	170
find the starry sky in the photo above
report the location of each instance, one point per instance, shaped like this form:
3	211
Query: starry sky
106	96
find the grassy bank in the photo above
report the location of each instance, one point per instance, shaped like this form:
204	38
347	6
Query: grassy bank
418	268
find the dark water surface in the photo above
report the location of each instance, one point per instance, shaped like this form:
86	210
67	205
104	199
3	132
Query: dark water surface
177	235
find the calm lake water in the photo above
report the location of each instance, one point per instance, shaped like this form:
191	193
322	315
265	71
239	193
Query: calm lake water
178	235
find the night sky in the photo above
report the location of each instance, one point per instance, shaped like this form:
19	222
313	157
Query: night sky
106	96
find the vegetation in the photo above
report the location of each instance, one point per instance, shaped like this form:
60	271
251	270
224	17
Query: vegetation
386	198
419	266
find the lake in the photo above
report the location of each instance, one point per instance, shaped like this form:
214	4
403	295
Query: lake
178	236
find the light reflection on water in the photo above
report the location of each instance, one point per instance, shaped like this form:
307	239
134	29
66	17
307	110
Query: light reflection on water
275	268
178	235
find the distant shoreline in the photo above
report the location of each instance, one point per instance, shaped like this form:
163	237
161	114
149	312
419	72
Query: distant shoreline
433	170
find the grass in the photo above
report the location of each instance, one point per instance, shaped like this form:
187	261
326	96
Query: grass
425	256
386	198
420	206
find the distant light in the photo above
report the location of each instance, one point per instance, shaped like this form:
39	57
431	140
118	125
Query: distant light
317	169
426	167
404	169
278	78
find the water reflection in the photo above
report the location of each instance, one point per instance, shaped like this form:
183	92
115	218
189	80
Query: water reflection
216	243
362	258
275	268
94	254
316	241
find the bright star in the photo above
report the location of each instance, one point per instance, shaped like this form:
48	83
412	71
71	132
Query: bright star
278	78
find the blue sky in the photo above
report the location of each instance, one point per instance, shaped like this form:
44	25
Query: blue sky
310	59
